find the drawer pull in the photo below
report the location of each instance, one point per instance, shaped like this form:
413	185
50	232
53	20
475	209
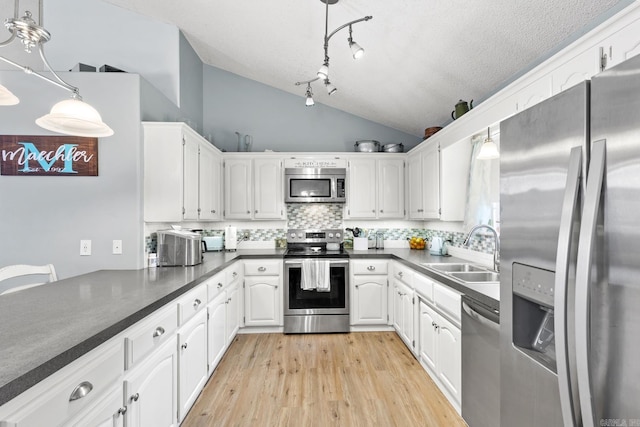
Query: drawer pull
135	397
371	268
400	273
81	391
122	410
184	346
158	332
262	269
196	303
234	274
219	285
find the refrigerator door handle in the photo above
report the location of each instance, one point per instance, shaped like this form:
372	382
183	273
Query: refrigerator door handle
568	400
593	197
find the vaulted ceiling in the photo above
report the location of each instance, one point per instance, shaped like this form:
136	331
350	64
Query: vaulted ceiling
422	56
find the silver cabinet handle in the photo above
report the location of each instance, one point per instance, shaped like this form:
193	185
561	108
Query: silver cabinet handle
234	274
256	211
371	268
381	211
373	210
81	391
184	346
590	217
569	206
122	411
213	211
262	269
158	332
400	273
135	397
357	286
196	303
248	212
219	285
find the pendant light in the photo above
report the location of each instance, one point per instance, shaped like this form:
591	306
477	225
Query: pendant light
356	50
71	116
489	149
309	102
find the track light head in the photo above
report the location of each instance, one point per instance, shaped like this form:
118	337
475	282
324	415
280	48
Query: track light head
323	72
309	102
331	89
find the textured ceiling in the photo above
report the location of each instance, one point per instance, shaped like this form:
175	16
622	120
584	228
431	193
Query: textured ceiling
422	56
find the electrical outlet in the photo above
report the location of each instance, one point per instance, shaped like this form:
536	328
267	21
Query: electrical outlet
117	247
85	247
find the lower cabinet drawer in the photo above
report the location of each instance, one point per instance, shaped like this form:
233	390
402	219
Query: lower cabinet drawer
81	387
191	303
262	268
150	334
449	301
374	266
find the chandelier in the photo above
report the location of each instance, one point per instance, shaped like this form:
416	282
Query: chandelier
71	116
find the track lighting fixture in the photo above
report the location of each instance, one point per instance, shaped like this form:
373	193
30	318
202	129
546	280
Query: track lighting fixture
309	102
356	50
71	116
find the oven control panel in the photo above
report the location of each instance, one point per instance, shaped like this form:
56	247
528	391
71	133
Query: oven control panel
297	235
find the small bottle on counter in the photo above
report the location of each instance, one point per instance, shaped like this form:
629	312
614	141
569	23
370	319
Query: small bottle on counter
152	260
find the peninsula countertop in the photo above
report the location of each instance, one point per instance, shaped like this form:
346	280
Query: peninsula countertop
45	328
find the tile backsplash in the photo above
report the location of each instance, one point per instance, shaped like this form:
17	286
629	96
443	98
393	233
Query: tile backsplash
329	215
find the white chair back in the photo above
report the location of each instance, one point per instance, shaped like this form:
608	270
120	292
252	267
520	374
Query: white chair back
19	270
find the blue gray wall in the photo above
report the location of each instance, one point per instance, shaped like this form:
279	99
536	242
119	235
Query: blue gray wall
280	121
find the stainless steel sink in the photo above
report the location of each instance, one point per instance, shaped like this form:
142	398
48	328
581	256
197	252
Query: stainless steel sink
477	276
454	267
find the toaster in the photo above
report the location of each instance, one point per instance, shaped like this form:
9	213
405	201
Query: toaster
179	248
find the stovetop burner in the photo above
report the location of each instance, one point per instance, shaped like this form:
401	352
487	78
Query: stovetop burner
302	243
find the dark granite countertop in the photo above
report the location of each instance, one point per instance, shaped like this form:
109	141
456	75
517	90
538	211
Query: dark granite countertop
45	328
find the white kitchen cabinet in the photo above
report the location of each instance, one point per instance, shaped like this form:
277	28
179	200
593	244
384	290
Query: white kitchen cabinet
233	302
109	412
438	181
151	390
403	316
174	171
210	184
375	188
441	351
369	289
192	362
253	188
575	70
216	330
263	293
532	94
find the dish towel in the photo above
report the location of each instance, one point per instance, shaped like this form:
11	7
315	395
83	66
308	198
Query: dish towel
308	282
323	276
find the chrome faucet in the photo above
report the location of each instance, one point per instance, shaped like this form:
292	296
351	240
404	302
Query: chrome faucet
496	247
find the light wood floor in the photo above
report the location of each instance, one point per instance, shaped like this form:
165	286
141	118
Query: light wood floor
356	379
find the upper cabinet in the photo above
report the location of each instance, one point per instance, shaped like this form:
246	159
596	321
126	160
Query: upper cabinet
437	182
375	188
253	188
182	179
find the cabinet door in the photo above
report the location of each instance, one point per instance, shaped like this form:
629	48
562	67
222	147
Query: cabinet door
449	357
622	45
407	317
262	300
431	182
391	188
267	186
414	184
237	186
361	193
428	336
192	361
217	330
455	161
191	156
576	70
369	303
398	317
233	313
108	413
150	390
210	188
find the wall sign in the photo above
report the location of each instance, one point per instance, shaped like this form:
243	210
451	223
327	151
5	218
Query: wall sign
48	155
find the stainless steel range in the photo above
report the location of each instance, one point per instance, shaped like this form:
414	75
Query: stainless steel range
316	277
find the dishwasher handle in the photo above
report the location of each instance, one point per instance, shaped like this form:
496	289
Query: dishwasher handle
479	312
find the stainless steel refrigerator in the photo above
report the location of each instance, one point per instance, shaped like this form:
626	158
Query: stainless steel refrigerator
570	270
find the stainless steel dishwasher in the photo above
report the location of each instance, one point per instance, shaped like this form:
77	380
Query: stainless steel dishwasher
480	364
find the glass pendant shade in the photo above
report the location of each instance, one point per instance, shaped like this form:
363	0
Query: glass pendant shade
356	50
7	97
309	102
74	117
323	72
489	150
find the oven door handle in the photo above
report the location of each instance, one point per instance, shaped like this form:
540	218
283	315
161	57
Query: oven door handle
340	261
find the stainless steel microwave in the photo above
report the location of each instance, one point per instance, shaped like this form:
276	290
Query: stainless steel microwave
319	185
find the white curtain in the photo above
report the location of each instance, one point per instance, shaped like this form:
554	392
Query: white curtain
480	200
